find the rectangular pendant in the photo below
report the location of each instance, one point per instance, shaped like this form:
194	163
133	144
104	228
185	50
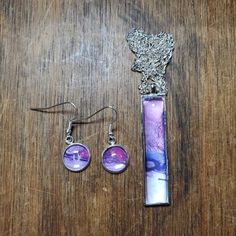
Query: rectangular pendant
155	150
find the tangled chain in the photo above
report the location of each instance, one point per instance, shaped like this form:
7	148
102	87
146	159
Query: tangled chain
153	52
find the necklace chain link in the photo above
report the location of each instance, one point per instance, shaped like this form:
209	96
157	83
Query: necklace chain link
153	53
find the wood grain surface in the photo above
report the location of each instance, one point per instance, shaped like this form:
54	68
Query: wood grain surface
75	50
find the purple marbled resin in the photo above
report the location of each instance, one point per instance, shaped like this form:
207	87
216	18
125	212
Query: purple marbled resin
155	154
115	159
76	157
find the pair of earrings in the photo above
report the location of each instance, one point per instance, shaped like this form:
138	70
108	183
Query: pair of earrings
76	156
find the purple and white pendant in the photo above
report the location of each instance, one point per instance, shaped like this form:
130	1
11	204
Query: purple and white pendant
115	159
76	157
155	150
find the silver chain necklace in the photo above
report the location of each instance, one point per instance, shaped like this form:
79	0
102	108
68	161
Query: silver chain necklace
153	53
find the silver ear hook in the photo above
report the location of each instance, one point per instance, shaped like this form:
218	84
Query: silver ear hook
80	121
68	132
69	139
44	109
111	137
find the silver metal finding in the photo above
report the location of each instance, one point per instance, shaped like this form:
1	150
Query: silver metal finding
81	120
72	122
45	109
68	133
111	137
153	53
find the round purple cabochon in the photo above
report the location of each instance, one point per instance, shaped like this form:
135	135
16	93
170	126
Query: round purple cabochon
76	157
115	159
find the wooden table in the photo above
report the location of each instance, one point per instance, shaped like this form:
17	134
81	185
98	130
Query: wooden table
71	50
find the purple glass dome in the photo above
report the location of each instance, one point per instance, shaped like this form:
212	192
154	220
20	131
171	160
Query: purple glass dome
76	157
115	159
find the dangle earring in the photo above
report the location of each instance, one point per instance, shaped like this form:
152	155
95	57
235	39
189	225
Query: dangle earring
76	156
114	158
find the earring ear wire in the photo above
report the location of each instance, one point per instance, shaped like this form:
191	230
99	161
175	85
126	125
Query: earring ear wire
45	109
68	137
114	117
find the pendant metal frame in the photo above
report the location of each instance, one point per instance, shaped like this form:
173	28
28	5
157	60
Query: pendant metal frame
150	200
